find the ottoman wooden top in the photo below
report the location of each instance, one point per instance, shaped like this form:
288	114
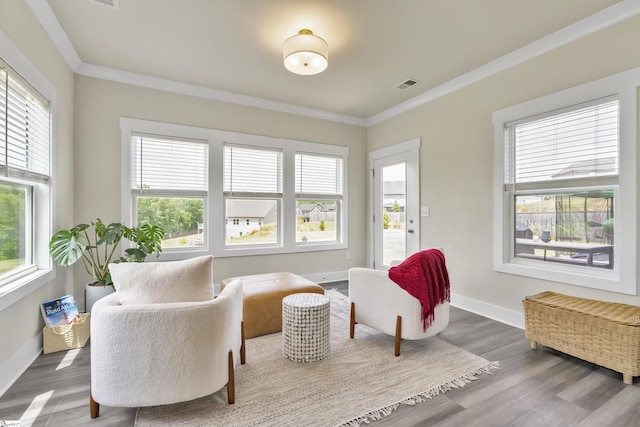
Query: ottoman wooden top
283	282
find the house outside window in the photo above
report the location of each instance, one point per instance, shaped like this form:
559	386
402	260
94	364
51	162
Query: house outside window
25	214
243	192
319	186
561	178
252	188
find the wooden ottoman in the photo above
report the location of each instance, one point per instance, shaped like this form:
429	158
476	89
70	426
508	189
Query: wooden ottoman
263	294
604	333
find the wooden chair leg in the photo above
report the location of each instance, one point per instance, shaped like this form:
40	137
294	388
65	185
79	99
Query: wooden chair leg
352	322
94	407
231	385
398	336
243	354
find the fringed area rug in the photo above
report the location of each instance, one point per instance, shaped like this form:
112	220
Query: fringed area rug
360	381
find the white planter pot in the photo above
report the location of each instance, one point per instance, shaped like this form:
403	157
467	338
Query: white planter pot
93	293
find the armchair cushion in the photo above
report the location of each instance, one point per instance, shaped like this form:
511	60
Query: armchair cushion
190	280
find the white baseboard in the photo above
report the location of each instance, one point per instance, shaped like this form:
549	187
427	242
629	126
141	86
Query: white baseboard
334	276
11	370
500	314
497	313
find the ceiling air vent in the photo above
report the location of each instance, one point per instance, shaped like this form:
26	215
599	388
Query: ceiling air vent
108	3
407	83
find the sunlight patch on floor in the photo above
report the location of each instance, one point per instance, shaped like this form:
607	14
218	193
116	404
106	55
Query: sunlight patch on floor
68	359
37	404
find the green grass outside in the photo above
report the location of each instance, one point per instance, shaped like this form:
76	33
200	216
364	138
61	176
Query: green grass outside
10	264
267	234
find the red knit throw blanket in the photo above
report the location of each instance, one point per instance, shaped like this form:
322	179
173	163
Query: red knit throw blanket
424	275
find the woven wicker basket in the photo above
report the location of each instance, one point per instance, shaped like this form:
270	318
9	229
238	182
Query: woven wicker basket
604	333
60	338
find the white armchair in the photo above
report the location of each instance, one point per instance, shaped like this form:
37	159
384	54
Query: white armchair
378	302
146	354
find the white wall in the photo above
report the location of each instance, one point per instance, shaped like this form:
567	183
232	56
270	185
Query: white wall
456	162
21	334
99	104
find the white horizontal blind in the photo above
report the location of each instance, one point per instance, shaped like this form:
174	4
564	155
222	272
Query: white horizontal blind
25	128
168	164
578	143
3	119
317	174
252	170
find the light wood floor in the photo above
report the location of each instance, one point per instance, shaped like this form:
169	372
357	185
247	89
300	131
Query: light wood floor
532	388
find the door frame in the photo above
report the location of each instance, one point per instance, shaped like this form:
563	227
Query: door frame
411	149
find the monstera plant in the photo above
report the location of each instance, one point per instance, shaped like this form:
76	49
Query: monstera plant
95	245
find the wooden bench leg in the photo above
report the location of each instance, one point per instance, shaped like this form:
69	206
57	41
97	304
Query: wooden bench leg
534	345
628	379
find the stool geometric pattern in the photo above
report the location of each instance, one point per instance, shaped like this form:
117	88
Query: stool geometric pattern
305	327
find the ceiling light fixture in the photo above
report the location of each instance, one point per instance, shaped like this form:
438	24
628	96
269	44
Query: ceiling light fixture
305	53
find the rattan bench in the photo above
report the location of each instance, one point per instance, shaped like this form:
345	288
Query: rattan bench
604	333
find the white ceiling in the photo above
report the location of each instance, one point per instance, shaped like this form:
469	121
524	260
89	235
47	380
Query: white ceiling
232	49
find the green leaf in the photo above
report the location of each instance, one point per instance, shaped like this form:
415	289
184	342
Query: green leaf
136	255
153	232
109	235
148	239
78	228
67	246
99	227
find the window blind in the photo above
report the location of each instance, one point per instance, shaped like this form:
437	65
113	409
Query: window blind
160	163
318	174
24	128
252	170
577	144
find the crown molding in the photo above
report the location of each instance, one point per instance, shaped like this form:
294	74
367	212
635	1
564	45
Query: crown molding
135	79
51	25
607	17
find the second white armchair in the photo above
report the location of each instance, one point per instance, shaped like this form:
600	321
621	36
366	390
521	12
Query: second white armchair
378	302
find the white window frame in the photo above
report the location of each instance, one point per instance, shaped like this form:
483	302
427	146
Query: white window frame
214	208
337	197
41	272
622	278
170	193
253	194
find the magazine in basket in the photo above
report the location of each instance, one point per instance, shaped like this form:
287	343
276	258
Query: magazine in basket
60	311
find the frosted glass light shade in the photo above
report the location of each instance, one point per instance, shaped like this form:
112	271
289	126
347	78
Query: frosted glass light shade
305	53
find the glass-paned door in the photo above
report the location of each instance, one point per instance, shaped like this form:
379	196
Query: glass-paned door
395	208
